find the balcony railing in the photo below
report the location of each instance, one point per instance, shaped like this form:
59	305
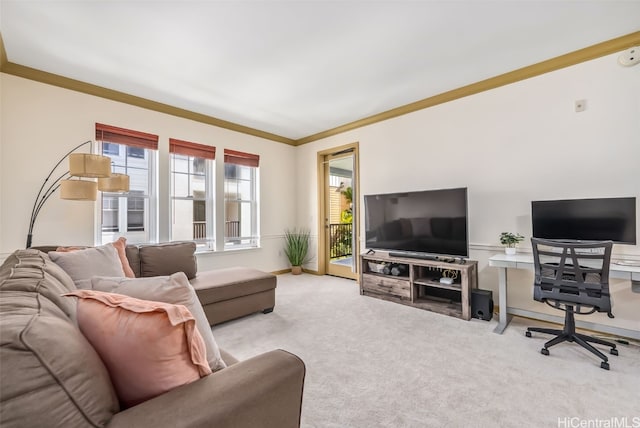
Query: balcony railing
340	240
232	229
199	229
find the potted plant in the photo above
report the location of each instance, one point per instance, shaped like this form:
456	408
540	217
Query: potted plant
510	240
296	248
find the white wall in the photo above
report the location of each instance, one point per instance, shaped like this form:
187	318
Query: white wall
509	146
42	122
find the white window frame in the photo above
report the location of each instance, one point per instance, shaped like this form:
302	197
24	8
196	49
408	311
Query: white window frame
254	239
150	233
209	243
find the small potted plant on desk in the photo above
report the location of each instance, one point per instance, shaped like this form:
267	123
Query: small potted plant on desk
510	240
296	248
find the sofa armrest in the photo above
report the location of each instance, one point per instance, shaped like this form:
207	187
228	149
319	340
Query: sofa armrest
264	391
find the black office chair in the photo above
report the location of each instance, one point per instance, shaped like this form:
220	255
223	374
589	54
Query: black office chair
573	277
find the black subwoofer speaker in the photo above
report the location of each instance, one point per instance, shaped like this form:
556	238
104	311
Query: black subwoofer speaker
482	304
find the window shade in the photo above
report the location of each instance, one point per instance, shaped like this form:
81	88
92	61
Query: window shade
240	158
191	149
112	134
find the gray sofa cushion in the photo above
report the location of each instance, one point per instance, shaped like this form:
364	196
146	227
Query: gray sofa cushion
168	258
51	376
30	271
133	255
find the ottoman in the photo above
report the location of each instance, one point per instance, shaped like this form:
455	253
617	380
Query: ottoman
234	292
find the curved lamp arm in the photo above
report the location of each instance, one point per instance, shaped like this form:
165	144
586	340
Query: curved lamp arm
41	197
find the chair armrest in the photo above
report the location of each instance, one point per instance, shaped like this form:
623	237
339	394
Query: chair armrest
264	391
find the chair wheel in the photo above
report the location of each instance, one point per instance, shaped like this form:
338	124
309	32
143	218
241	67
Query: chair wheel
604	365
544	351
613	351
527	333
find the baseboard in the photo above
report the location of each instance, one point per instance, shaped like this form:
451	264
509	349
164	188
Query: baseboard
283	271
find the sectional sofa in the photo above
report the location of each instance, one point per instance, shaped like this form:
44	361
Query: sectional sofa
52	376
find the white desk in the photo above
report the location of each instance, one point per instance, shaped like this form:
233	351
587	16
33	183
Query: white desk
525	261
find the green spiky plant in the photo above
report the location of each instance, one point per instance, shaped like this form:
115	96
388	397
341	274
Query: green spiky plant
297	246
510	239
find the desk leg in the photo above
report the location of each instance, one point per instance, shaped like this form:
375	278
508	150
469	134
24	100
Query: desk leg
502	300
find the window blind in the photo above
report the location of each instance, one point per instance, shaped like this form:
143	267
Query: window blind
128	137
241	158
191	149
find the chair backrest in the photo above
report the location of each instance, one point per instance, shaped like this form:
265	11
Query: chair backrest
572	274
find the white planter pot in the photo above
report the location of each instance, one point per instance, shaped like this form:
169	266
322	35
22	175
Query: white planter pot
510	251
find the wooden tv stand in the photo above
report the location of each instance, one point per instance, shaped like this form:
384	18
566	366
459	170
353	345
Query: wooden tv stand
417	283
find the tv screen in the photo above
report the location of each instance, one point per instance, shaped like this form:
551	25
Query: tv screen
601	219
431	221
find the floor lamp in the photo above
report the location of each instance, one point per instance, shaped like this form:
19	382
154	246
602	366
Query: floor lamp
86	165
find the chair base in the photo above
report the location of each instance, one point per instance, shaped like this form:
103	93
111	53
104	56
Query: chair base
568	334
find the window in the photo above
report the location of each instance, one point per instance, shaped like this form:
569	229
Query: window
135	152
241	199
133	214
110	149
110	213
192	192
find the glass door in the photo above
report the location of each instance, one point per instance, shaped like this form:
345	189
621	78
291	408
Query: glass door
340	217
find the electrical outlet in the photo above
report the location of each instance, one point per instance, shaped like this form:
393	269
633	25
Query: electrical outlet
580	105
630	57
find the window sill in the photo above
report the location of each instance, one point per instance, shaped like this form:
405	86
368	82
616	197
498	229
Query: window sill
226	251
207	251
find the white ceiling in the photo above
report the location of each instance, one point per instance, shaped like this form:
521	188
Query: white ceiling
296	68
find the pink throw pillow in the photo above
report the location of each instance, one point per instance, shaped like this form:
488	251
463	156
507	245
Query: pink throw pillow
69	249
120	244
148	347
174	289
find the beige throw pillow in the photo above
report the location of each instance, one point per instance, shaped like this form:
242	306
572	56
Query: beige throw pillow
81	265
174	289
119	244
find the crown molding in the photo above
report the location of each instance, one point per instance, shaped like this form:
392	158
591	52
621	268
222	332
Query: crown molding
110	94
576	57
99	91
553	64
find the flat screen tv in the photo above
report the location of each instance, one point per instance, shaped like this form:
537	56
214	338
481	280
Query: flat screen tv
424	222
600	219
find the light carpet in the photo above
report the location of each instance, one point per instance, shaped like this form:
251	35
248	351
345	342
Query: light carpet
372	363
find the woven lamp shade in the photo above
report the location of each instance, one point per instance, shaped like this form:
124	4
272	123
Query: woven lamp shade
89	165
115	183
79	190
